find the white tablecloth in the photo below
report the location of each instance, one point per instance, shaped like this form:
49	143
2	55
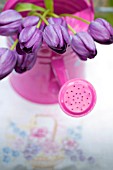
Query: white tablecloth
37	137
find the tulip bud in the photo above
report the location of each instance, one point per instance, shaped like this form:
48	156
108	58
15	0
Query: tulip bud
30	21
59	21
30	39
83	45
56	37
10	22
7	62
25	62
101	31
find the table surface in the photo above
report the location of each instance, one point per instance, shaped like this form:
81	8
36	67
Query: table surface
39	137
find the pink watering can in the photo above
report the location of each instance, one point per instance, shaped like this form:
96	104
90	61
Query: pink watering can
43	83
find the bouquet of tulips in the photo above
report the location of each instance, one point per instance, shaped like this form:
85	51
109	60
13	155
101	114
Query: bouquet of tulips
43	25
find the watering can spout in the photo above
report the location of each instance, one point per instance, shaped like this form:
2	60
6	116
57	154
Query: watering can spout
77	97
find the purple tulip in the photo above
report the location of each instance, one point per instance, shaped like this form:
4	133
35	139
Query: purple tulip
83	45
59	21
101	31
10	22
25	62
30	39
7	62
56	37
29	21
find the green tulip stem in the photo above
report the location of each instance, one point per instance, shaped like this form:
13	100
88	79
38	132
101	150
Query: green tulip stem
39	23
14	45
49	4
71	29
54	15
44	16
40	16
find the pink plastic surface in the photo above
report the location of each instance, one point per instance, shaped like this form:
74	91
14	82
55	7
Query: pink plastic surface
60	71
40	84
77	97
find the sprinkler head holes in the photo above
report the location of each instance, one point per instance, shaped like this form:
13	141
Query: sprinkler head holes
77	97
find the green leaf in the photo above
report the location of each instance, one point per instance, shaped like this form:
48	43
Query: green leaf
49	5
21	7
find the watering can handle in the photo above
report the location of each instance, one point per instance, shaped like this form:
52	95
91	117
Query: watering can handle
59	70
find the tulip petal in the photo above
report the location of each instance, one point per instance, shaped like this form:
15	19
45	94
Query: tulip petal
108	26
66	35
19	50
99	32
2	51
86	38
30	21
37	44
50	36
59	34
25	62
57	37
9	16
105	24
60	50
26	34
78	46
10	29
7	63
34	38
59	21
83	45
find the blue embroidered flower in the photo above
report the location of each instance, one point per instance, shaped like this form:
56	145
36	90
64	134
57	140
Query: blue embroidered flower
15	153
74	134
6	159
9	154
6	150
70	131
17	130
23	134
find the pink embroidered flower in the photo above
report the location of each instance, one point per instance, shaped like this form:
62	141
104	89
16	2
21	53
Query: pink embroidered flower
69	144
50	147
39	133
